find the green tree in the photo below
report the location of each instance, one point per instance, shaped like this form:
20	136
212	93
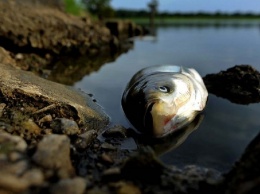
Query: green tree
101	8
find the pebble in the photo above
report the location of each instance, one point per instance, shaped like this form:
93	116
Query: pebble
46	118
85	139
64	126
76	185
107	158
11	143
56	156
108	146
116	131
125	188
31	127
2	106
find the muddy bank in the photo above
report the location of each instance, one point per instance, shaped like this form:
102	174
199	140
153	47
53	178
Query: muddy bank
44	37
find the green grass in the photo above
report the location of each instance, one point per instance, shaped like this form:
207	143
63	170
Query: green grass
72	7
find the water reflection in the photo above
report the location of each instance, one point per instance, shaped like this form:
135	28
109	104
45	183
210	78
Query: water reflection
171	141
69	70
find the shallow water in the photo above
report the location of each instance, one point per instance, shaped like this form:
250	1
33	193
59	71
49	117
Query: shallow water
226	128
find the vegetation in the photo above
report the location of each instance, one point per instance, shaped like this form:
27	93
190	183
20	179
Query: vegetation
100	8
128	13
72	7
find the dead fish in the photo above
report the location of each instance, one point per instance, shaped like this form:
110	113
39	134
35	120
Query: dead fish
159	100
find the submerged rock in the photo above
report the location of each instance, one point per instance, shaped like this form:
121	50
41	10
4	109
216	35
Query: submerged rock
239	84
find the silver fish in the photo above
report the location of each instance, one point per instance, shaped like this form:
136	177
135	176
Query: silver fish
159	100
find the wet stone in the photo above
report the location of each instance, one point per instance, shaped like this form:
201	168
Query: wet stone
116	131
64	126
85	139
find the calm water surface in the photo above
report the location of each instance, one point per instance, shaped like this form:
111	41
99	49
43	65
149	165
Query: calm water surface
227	128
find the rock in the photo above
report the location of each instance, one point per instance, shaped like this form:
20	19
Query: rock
68	186
123	29
108	146
125	188
46	118
31	127
64	126
17	175
2	106
29	93
85	139
116	131
239	84
244	178
143	166
18	184
53	152
107	158
10	143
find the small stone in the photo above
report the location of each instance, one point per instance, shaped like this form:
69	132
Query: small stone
16	168
53	152
116	131
2	106
68	186
31	126
34	177
11	143
108	146
112	171
64	126
46	118
111	174
12	183
85	139
19	56
107	158
125	188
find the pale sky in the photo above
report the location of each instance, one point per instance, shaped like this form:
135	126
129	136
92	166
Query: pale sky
193	5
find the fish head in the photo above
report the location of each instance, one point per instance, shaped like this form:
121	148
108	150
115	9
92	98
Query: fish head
168	103
160	102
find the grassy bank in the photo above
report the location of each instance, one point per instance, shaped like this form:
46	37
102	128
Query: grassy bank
196	20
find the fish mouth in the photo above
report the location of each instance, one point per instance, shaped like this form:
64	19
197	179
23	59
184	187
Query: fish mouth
148	118
162	115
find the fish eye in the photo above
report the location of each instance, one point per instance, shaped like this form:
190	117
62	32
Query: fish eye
164	89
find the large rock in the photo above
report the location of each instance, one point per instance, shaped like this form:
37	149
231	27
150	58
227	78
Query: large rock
239	84
244	178
53	153
29	98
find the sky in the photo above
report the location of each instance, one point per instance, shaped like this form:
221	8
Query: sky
193	5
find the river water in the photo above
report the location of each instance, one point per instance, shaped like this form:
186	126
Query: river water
227	127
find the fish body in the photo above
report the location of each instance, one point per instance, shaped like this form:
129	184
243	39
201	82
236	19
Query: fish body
159	100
